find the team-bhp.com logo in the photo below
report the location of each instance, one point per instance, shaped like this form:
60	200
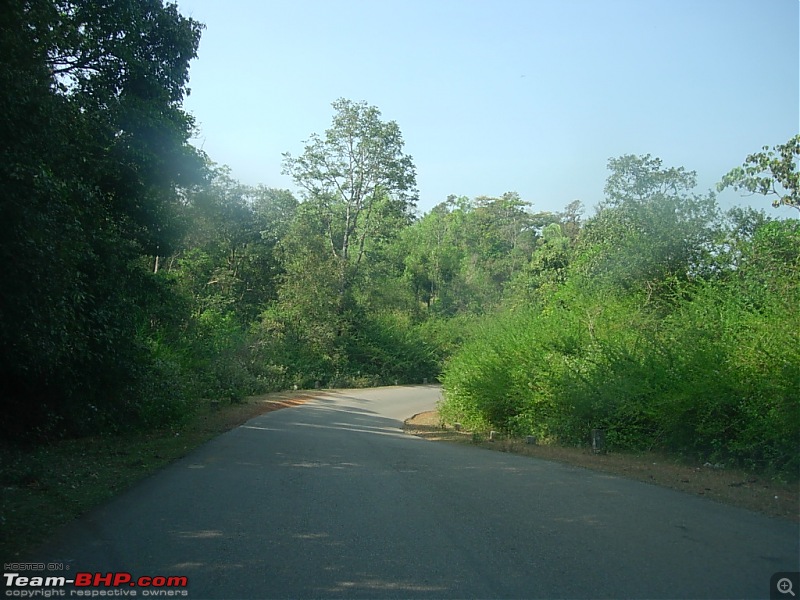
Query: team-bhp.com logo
95	585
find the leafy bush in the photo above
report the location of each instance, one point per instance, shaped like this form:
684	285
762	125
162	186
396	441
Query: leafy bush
712	376
489	380
163	397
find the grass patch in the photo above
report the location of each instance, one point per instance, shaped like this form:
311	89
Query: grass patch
45	487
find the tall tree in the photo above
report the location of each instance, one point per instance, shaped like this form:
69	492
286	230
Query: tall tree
358	180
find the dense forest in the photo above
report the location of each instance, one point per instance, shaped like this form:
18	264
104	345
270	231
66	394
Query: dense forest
140	279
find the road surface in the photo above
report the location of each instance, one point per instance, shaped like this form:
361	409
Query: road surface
331	500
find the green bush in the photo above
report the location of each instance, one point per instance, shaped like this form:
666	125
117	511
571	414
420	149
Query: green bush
492	380
164	396
713	376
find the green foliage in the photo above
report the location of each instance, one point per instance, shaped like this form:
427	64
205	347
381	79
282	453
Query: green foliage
360	187
479	380
692	354
165	392
445	336
770	173
547	268
228	259
481	388
651	230
712	379
365	349
140	277
93	145
389	348
746	384
461	256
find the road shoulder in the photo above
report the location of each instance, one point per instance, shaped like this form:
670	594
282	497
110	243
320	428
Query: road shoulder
738	488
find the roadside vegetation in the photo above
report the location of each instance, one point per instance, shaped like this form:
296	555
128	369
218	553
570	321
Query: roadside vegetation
696	361
142	282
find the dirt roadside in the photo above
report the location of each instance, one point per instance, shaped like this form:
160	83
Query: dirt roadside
738	488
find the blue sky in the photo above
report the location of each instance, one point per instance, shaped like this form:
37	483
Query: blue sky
532	96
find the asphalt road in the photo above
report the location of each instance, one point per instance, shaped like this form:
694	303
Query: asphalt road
331	500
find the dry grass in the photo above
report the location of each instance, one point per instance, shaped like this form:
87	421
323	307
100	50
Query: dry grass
739	488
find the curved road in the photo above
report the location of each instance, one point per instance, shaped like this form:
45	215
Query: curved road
332	500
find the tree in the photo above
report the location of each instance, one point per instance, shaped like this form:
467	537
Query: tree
570	219
771	173
359	181
551	259
461	256
501	234
637	180
434	250
227	260
93	149
651	229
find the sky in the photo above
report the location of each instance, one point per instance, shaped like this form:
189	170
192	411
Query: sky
530	96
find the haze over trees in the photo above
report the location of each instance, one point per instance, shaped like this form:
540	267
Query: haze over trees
141	279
